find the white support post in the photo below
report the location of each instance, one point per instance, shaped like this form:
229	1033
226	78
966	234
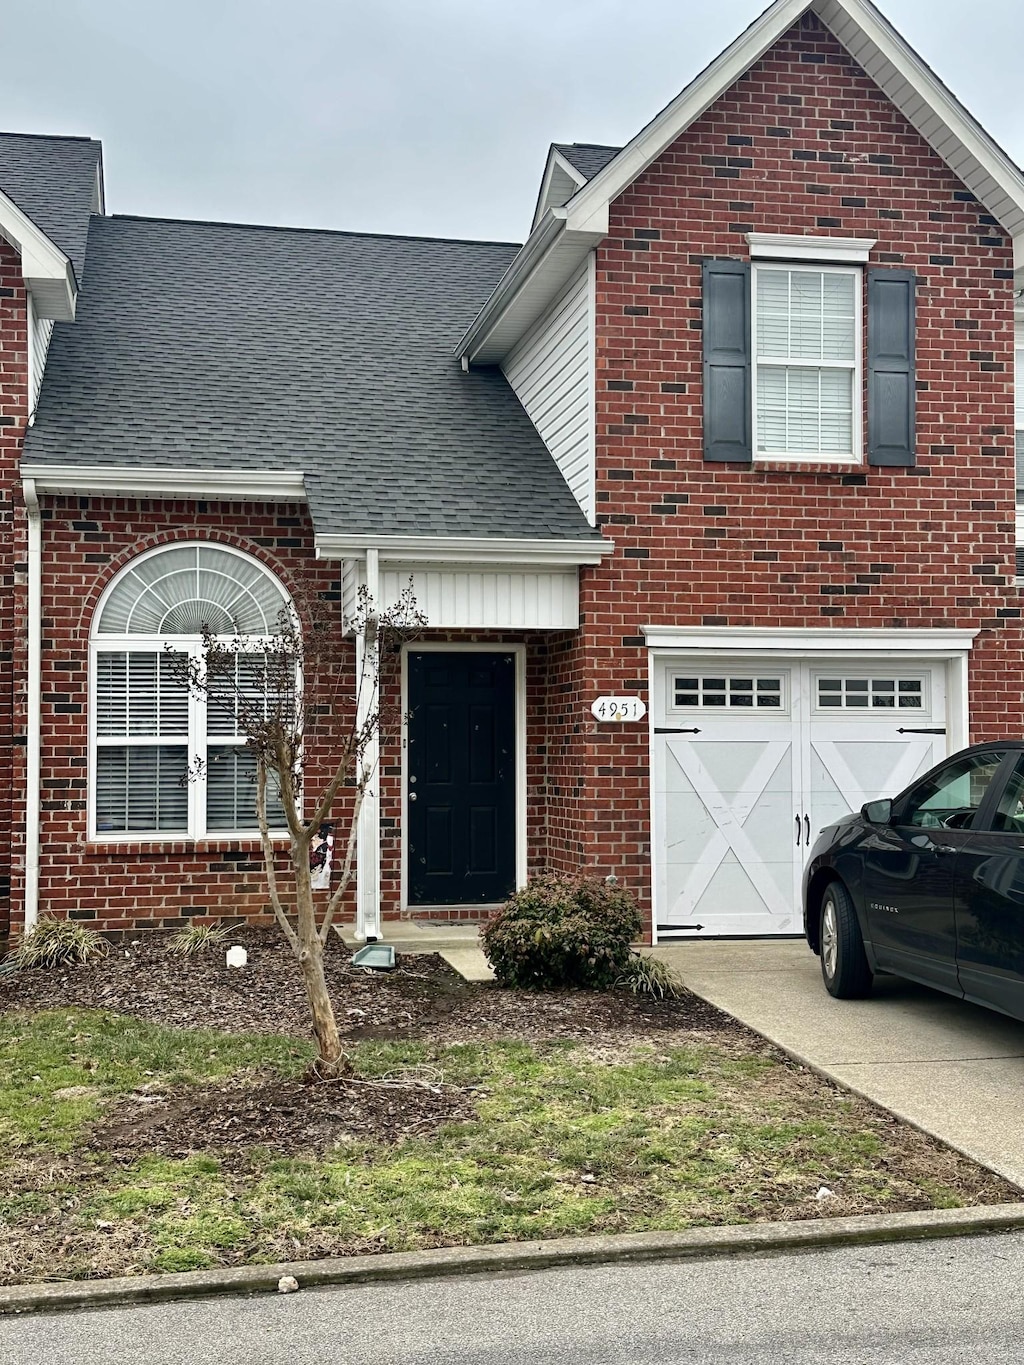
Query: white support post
368	925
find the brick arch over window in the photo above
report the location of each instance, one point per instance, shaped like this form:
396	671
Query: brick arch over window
169	760
166	539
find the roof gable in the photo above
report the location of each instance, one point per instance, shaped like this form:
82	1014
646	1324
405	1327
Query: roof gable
58	183
562	238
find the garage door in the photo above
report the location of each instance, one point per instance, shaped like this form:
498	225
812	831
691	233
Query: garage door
750	761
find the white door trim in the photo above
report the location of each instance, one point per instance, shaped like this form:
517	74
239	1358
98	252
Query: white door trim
474	647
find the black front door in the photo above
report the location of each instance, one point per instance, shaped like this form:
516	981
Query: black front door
461	822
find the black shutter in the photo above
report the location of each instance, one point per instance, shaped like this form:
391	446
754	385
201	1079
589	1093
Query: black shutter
891	367
726	307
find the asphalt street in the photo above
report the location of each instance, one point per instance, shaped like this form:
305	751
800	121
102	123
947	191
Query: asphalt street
923	1303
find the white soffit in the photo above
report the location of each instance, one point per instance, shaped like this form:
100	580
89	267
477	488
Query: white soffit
47	272
541	267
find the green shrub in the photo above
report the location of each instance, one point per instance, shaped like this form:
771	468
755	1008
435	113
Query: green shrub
562	931
195	938
57	943
650	976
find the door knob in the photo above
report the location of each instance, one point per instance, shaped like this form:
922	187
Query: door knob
412	796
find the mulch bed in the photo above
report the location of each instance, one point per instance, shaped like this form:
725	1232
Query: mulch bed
422	997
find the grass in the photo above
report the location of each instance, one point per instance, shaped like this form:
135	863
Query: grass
563	1143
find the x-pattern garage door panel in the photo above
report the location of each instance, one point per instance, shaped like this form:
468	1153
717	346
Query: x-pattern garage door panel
741	790
847	771
728	807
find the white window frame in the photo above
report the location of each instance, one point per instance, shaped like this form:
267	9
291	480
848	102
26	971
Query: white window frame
855	366
198	742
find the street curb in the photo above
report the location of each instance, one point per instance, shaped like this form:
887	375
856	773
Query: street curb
507	1257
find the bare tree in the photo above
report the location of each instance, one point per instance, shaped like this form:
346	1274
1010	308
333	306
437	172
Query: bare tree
309	695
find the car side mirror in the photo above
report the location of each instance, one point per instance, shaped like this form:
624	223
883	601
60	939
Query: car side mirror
877	812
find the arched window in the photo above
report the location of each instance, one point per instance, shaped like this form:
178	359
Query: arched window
166	762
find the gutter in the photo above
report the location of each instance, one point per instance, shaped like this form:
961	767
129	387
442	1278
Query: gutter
33	703
546	261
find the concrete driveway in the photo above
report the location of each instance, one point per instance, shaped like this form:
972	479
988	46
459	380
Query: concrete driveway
953	1069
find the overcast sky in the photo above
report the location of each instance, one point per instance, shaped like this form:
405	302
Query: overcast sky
414	116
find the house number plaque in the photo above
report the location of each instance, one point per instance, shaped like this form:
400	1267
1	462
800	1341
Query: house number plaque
618	708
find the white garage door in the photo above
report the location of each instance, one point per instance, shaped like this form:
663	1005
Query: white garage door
751	761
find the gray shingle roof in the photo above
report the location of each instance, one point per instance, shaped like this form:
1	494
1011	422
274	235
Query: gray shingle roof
53	180
587	157
216	346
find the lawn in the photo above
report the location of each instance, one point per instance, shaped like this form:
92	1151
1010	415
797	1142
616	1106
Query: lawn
131	1146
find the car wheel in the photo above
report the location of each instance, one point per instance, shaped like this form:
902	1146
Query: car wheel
844	965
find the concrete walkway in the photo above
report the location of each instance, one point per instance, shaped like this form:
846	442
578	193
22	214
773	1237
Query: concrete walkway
953	1069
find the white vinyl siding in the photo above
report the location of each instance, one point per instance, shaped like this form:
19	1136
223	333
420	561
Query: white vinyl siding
807	351
40	330
552	373
516	600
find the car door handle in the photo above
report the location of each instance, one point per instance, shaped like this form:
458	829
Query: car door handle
943	848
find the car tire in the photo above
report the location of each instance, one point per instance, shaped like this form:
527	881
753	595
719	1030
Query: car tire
844	964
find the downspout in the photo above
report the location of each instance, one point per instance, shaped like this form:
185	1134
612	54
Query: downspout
368	925
33	706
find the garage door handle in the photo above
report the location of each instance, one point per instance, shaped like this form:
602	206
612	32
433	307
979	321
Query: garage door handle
799	826
807	822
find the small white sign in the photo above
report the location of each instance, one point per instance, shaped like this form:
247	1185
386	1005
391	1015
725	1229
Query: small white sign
618	708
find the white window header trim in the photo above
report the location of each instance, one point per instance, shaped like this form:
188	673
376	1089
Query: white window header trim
783	246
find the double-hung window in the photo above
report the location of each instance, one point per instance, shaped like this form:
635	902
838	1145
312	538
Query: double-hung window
169	760
790	368
806	356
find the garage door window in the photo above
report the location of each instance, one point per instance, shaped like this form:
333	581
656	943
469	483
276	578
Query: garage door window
743	692
871	694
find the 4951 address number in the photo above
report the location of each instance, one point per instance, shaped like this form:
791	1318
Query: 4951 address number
618	708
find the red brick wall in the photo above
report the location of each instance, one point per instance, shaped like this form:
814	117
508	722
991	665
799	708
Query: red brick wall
124	884
804	143
13	416
127	884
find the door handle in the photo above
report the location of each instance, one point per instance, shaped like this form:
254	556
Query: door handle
943	848
807	822
798	831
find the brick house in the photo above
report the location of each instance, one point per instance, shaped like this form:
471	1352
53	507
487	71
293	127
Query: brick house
731	435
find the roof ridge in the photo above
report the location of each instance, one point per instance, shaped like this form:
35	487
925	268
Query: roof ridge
283	227
54	137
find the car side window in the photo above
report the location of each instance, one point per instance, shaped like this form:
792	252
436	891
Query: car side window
951	797
1008	816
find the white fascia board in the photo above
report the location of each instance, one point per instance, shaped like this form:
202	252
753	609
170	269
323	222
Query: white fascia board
788	246
47	272
556	163
857	24
223	485
591	204
486	551
800	642
544	264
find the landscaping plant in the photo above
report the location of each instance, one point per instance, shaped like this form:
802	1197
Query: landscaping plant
288	694
562	930
58	943
645	975
196	938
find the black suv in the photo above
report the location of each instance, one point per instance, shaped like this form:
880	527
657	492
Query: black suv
928	885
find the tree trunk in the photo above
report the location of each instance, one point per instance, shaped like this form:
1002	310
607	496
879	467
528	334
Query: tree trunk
332	1061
